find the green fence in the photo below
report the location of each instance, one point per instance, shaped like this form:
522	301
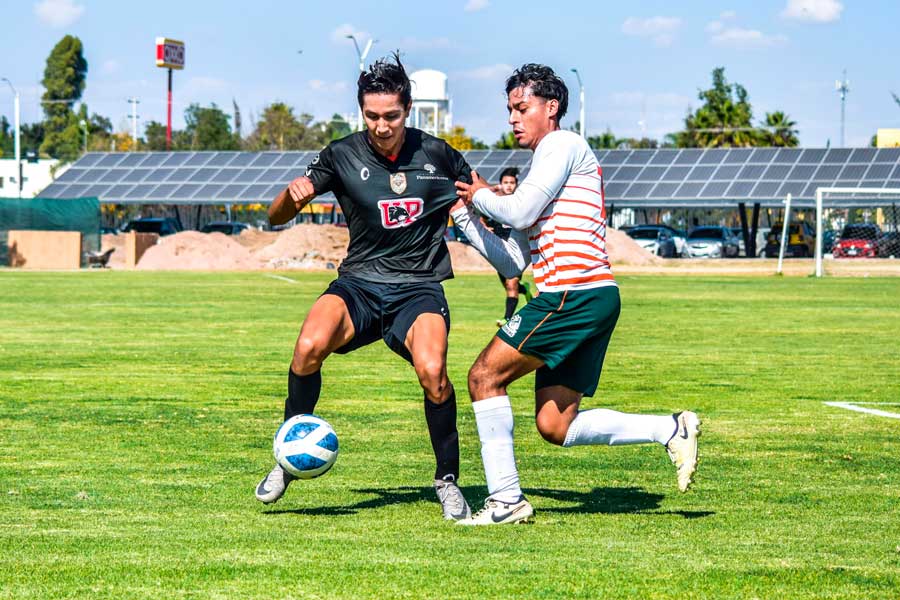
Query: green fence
50	214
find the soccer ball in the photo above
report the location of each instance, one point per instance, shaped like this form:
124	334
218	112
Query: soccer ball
305	446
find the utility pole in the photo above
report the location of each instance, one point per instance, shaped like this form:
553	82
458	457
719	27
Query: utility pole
842	88
581	102
134	118
362	68
18	127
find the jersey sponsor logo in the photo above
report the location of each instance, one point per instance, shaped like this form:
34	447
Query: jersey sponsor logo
399	213
364	173
430	168
512	326
398	182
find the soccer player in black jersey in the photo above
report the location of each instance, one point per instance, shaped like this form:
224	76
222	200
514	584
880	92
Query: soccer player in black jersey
395	186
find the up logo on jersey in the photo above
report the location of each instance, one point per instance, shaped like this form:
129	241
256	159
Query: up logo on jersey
399	213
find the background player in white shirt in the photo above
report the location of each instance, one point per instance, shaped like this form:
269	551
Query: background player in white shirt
559	218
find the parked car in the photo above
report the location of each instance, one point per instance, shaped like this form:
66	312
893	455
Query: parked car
761	234
655	239
801	240
859	240
712	242
889	245
226	227
159	225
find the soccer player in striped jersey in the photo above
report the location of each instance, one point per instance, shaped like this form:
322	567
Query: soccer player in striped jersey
559	221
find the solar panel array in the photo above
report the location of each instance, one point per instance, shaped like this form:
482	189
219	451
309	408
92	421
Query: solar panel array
663	177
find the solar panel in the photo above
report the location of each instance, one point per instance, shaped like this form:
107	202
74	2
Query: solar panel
644	176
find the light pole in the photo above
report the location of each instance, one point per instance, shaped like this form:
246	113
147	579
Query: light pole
84	124
580	101
362	67
842	87
18	147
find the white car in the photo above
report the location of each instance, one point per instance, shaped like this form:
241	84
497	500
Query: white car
713	242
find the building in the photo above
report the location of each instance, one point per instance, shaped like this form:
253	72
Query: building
431	104
36	176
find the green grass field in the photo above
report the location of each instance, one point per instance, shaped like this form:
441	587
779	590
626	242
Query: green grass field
137	409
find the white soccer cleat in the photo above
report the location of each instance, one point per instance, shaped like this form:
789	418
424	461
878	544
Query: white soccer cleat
501	322
496	512
682	447
273	485
453	503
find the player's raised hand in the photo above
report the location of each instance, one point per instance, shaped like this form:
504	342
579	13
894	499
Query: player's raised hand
466	191
302	191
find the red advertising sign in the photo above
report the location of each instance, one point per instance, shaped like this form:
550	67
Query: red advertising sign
169	53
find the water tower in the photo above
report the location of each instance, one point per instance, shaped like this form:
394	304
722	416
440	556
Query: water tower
430	102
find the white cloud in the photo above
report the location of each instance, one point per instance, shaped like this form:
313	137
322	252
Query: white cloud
660	29
476	5
58	13
728	14
817	11
319	85
737	37
497	71
339	35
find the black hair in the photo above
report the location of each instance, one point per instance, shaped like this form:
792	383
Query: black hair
510	172
543	82
385	77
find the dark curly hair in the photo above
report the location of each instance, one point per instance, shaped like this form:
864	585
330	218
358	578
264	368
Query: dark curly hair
510	172
543	82
385	77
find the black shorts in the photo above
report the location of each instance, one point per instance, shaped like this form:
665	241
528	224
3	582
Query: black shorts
387	310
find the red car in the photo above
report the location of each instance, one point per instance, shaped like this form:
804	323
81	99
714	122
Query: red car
858	241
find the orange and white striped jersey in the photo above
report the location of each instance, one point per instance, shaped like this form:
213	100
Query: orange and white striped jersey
560	208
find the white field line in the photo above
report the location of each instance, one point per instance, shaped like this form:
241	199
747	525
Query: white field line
871	411
279	277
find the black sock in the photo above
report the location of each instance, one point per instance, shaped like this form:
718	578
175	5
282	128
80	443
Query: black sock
441	419
511	304
522	290
303	393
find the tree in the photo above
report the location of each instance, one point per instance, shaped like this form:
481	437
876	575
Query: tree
337	128
7	138
723	121
507	141
277	129
155	136
207	128
64	82
457	138
780	130
605	140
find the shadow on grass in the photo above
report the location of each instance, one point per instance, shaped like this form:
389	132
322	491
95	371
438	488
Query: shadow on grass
609	501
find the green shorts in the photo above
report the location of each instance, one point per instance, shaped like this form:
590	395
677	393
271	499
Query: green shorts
570	332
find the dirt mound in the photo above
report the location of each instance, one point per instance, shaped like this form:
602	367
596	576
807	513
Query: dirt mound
625	251
305	247
466	258
195	251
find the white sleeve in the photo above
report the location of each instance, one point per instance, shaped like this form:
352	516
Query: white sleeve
509	257
552	164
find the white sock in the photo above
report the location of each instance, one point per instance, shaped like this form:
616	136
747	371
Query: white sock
494	419
603	426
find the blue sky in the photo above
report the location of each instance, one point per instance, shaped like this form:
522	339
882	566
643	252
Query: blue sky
642	62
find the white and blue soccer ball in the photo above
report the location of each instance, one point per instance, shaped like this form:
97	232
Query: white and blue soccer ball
306	446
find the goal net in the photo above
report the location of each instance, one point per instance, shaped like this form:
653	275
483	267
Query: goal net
859	224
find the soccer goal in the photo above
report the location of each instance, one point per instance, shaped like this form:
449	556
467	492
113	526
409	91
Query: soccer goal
856	223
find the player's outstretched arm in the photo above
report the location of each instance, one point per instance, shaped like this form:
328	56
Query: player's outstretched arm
291	201
508	256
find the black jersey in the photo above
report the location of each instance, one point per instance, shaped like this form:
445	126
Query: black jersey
396	211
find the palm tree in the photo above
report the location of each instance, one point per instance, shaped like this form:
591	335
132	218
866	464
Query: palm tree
781	131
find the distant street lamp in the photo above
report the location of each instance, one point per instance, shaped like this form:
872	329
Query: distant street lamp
581	102
362	67
84	124
18	147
